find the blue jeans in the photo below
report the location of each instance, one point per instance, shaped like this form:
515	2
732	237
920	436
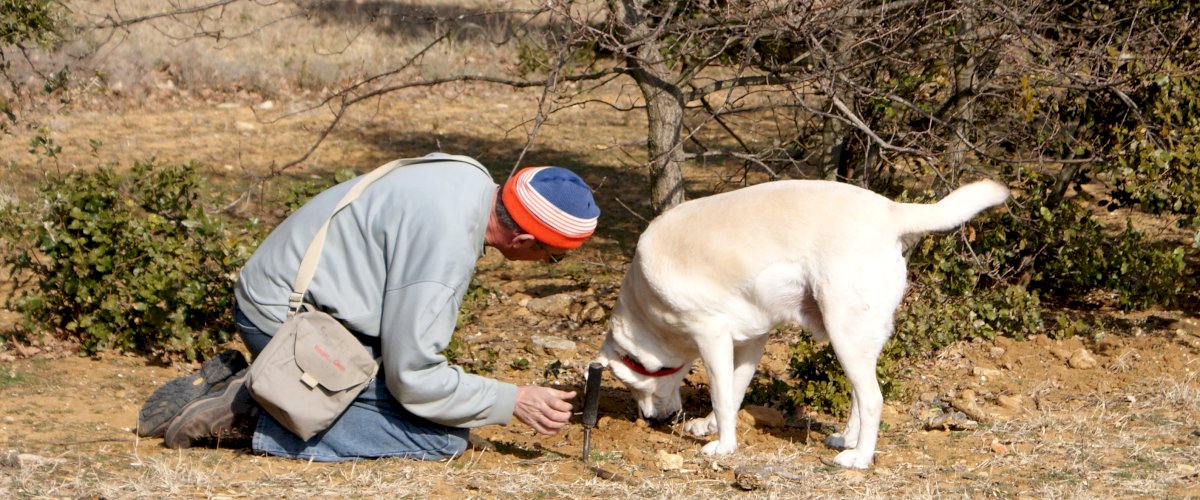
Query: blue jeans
375	425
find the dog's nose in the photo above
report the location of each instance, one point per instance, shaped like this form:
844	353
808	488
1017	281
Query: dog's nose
659	421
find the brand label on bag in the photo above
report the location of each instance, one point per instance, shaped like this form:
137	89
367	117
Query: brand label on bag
329	353
337	363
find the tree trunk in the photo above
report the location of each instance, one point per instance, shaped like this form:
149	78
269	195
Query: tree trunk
966	64
664	103
664	110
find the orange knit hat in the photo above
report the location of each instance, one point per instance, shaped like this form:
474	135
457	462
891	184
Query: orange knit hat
552	204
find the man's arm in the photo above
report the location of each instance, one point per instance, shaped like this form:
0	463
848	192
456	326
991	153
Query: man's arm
418	321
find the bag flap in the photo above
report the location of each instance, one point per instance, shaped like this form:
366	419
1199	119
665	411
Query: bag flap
329	355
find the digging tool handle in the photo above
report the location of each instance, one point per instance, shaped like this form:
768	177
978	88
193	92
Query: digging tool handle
591	398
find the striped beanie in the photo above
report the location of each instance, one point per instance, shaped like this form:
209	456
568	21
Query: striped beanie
552	204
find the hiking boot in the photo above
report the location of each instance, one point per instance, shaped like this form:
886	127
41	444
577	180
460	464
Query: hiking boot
223	417
167	401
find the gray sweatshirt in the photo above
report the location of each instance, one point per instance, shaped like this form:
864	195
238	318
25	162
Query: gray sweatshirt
396	264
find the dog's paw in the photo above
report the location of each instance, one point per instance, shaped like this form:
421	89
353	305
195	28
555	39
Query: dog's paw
839	442
719	447
701	426
853	459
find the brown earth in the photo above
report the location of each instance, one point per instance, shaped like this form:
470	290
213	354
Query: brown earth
1111	414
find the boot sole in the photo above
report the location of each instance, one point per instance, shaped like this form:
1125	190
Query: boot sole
169	400
210	418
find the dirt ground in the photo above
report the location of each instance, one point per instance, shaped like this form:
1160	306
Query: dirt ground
1111	414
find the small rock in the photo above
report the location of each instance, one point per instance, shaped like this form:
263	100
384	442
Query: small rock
751	477
668	461
952	421
1082	360
1011	402
761	417
555	305
996	352
521	299
989	373
970	408
245	126
592	313
550	343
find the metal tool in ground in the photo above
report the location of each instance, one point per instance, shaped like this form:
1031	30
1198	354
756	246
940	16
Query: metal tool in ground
591	406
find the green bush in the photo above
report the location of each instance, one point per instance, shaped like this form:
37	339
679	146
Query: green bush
130	262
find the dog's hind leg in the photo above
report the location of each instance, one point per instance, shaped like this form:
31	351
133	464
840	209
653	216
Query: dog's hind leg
857	343
745	362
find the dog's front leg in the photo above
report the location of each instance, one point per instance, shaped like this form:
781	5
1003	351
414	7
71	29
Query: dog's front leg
745	358
718	356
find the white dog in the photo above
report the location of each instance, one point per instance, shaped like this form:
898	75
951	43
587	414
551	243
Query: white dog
712	276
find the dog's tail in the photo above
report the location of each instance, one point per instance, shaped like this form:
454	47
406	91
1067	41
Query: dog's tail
956	208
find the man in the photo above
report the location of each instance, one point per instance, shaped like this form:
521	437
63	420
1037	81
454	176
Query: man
394	269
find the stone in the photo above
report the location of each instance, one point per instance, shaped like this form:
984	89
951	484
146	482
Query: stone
1082	360
989	373
761	417
668	461
592	312
558	305
951	421
967	405
1010	402
551	343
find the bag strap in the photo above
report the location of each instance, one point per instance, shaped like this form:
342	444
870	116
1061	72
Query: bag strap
308	266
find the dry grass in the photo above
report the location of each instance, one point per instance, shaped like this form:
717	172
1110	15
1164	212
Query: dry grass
273	47
1084	434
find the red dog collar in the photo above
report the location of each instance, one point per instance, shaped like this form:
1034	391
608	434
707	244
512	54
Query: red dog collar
637	367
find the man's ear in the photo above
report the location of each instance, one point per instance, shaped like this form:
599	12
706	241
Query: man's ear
523	240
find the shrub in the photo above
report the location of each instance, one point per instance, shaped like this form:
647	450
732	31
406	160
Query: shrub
129	262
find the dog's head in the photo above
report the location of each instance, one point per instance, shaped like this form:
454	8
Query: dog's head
655	387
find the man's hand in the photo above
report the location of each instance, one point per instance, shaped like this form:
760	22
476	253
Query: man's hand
543	408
